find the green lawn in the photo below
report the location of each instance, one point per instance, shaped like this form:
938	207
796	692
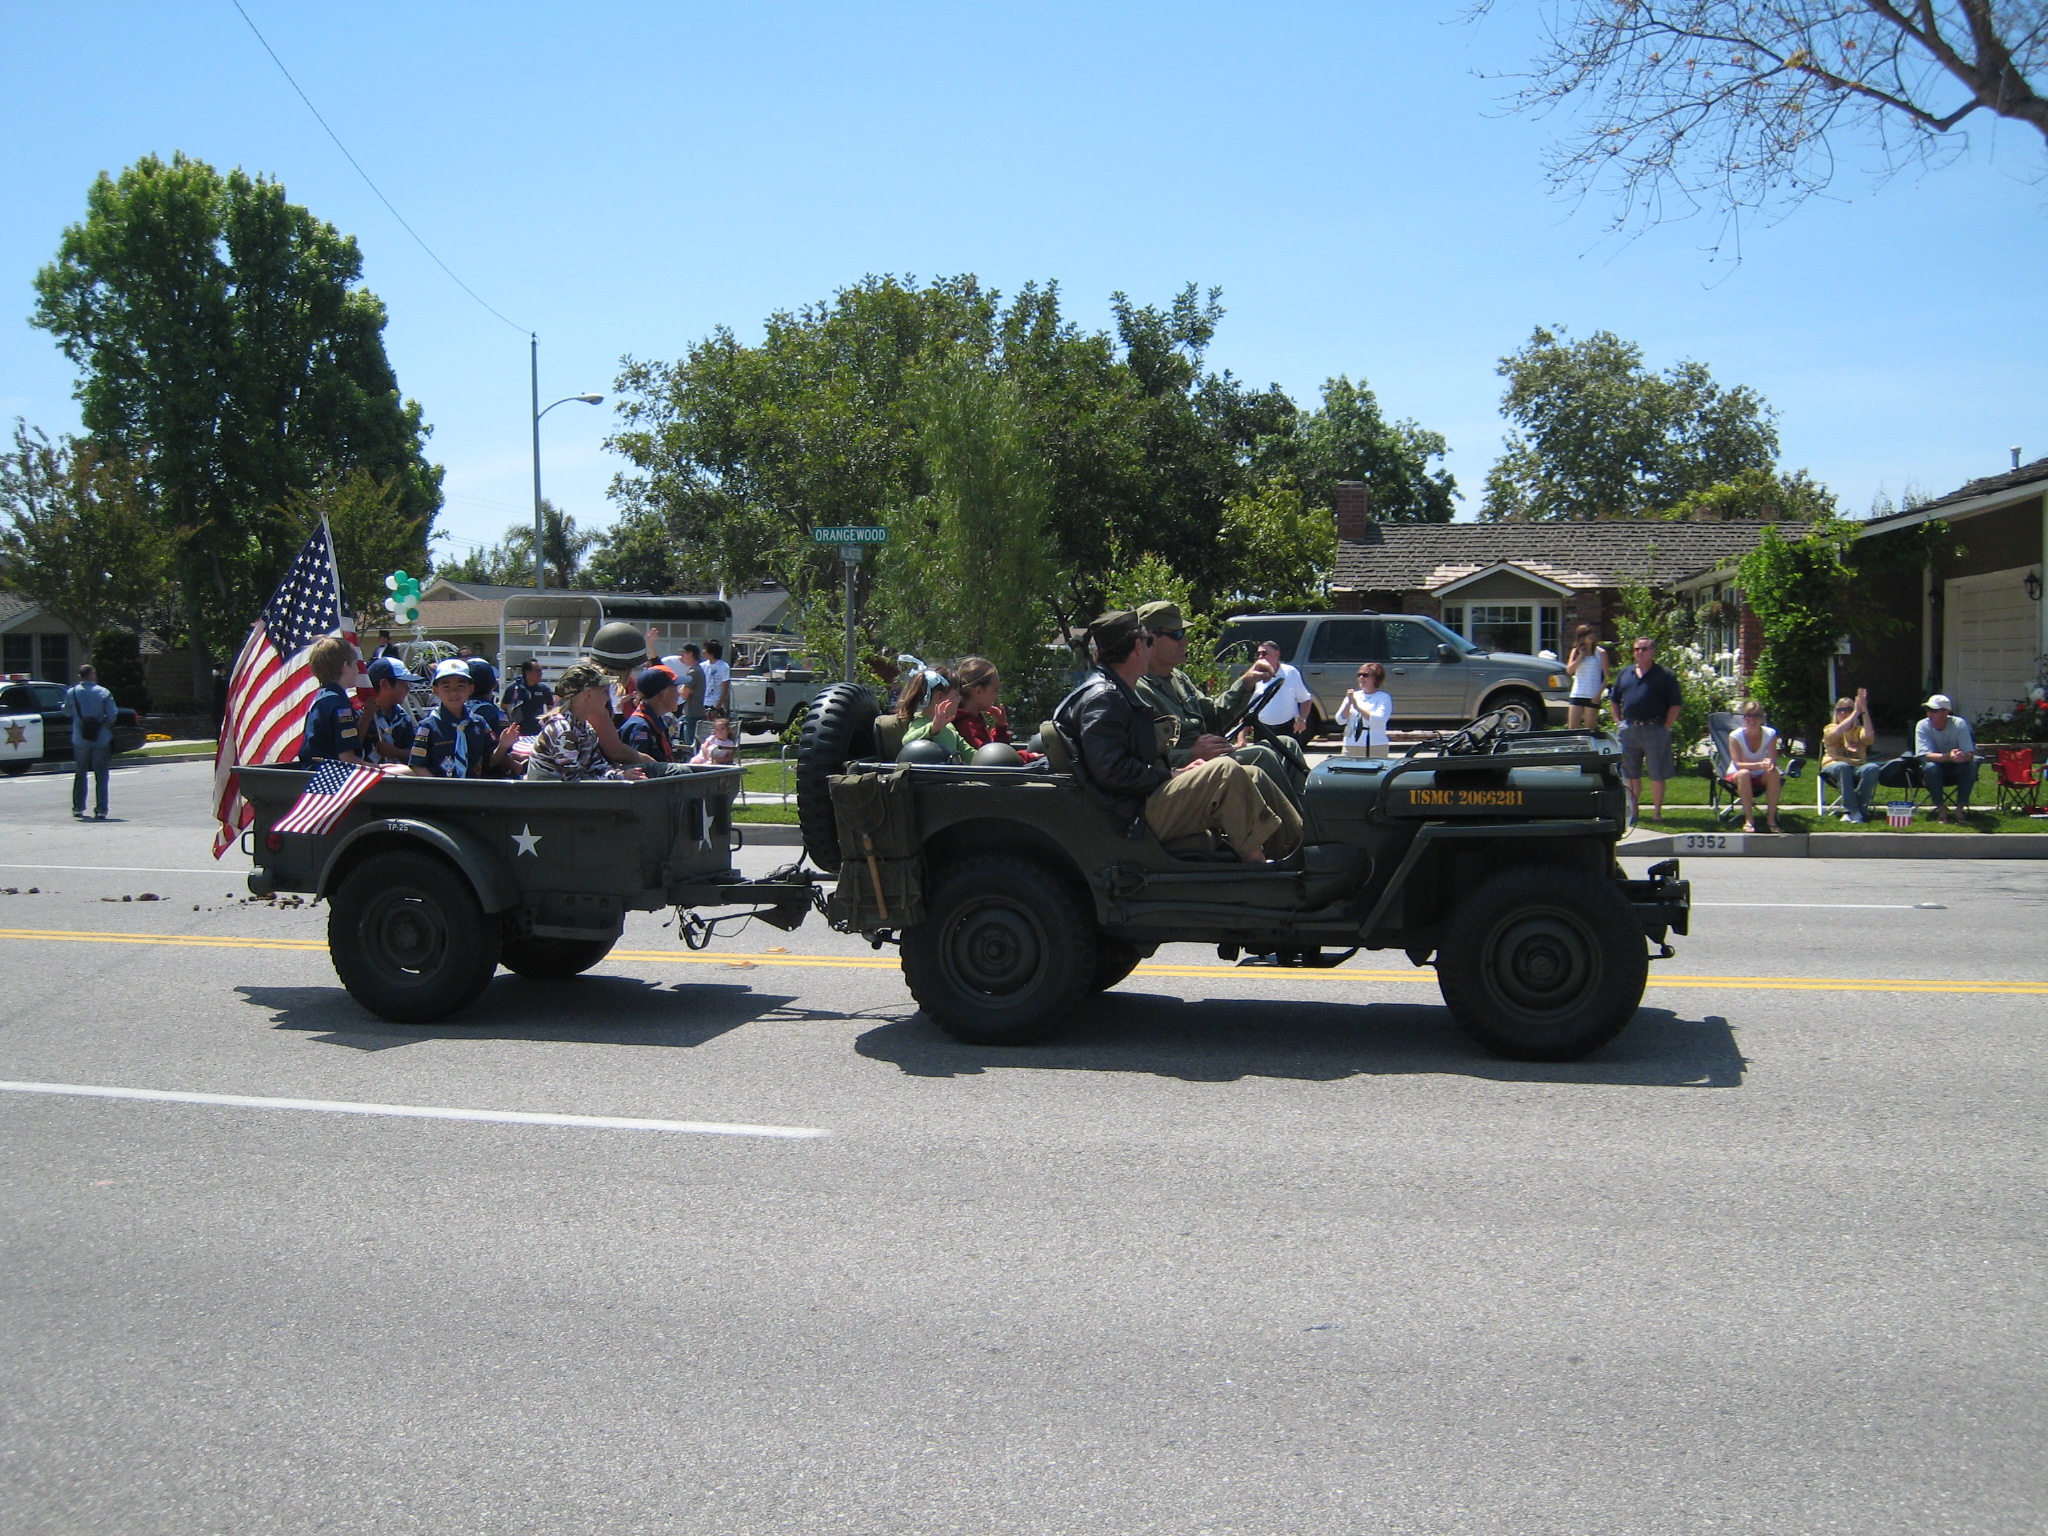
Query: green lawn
785	814
1685	803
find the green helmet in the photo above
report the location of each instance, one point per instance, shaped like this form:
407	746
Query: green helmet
619	647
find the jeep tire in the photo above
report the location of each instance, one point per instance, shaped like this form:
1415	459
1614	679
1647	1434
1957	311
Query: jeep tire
409	939
1543	964
549	959
1114	960
1006	949
839	727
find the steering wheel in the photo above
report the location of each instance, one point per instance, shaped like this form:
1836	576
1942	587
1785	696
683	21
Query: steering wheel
1482	736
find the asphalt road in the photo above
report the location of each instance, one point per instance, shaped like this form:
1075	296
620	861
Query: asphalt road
1242	1252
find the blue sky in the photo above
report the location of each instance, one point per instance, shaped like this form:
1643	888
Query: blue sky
622	178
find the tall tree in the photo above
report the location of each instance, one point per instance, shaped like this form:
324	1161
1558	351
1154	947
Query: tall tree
1738	105
374	533
79	538
224	342
509	563
1348	438
1597	435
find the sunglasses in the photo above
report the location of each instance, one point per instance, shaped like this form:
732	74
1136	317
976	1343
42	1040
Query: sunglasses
1169	634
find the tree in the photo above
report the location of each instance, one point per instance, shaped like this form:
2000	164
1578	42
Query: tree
374	533
1284	550
640	553
509	563
1348	439
224	343
80	540
1797	588
1759	496
1740	105
1597	435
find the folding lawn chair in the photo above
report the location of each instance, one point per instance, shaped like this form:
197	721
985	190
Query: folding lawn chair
1722	799
2019	781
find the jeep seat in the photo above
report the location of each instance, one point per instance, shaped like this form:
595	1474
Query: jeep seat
888	737
1054	746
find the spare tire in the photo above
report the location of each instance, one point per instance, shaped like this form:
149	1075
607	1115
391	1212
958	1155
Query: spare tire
839	728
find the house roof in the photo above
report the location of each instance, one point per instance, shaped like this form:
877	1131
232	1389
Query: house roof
12	606
1404	557
2034	474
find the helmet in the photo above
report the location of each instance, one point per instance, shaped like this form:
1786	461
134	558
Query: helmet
998	754
619	647
484	675
924	750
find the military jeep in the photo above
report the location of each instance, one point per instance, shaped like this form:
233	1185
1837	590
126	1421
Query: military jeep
1014	895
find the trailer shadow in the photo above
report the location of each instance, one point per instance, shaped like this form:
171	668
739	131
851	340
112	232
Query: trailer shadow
1224	1040
594	1010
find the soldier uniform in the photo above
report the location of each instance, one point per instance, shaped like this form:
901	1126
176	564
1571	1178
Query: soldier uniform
1199	714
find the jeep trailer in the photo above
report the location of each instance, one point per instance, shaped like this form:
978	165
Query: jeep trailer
432	884
1014	896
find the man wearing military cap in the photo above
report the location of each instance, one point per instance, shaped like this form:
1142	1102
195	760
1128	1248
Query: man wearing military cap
1109	732
1202	718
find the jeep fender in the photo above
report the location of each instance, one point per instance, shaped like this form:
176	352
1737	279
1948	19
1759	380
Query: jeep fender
481	866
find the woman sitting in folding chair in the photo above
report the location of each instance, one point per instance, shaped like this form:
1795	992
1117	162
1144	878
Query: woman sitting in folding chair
1753	760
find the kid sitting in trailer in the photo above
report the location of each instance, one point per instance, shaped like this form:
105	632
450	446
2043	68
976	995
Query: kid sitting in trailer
452	743
333	726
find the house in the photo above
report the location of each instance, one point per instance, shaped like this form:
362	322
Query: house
37	642
1515	586
1970	619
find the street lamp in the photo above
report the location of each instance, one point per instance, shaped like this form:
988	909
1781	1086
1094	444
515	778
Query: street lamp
539	577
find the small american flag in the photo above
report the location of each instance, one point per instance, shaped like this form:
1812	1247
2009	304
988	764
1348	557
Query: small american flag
272	684
333	789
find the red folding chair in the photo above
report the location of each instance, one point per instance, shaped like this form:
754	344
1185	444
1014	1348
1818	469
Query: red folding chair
2019	781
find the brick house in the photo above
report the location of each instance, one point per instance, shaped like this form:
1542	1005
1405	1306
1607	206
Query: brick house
1515	586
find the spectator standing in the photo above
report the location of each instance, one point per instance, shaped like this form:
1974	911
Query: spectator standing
1845	755
1587	664
528	698
1647	703
1287	709
386	651
690	693
716	675
1948	756
90	708
1366	710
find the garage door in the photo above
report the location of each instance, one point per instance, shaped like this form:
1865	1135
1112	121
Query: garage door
1990	636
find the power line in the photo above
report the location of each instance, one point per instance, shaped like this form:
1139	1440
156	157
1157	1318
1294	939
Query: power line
237	4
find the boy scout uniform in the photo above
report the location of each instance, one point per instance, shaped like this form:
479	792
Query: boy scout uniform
1199	714
331	727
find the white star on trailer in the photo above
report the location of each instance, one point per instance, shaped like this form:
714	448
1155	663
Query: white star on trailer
527	839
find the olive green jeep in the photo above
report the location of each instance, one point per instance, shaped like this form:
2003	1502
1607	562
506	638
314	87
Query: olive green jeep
1014	895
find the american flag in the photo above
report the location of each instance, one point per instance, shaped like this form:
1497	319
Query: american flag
272	685
333	788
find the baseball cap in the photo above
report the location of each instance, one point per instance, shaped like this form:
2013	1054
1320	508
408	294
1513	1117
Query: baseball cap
385	670
454	666
649	681
1938	701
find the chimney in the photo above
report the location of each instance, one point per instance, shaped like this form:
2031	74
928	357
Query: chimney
2015	458
1354	516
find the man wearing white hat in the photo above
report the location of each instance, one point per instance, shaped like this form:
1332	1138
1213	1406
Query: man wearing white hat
1948	756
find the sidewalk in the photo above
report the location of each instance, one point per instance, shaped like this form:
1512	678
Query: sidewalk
1645	844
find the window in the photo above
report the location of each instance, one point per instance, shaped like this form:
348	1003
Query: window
1247	633
1524	627
20	653
1341	640
1410	640
1454	617
56	656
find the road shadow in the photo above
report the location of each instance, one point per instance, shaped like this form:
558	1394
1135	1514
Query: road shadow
593	1010
1221	1041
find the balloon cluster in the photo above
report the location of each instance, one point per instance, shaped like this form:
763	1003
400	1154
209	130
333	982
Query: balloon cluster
404	602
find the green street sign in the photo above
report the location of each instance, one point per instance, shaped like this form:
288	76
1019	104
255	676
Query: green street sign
849	535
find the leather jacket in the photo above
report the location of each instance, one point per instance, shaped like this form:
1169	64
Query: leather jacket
1115	748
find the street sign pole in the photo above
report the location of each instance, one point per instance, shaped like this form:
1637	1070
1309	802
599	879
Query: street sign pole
851	541
849	557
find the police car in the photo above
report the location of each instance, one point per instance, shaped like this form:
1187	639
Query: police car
34	728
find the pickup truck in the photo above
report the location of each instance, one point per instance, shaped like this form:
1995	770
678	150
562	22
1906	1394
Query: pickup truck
775	691
433	884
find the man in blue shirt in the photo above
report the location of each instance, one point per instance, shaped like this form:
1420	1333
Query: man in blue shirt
90	708
390	722
1647	703
527	698
333	729
1948	756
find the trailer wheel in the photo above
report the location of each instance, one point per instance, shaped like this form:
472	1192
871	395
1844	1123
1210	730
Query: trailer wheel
543	959
1005	950
409	939
1543	964
1114	960
839	728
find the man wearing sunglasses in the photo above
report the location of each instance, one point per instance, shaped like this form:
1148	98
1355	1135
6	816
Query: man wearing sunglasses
1647	703
1202	718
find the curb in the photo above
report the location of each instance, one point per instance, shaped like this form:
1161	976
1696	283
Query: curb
1839	845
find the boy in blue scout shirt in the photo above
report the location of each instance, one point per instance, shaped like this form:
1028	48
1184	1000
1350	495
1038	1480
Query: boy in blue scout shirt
390	723
483	679
332	726
451	742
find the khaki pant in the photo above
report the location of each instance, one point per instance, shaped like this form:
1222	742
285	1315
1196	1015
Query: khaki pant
1225	796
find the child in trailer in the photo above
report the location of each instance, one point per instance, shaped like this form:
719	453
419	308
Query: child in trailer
483	704
718	750
646	729
927	705
333	724
568	747
452	743
389	721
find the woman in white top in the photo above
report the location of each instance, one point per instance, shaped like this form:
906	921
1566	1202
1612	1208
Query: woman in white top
1587	665
1365	712
1753	759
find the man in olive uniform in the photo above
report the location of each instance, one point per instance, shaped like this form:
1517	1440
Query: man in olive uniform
1167	690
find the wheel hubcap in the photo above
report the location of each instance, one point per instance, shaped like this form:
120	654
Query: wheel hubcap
995	949
406	934
1543	962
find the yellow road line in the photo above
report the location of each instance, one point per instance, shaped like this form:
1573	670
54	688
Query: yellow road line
1419	976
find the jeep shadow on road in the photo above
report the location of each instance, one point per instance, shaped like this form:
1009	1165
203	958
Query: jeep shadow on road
1220	1042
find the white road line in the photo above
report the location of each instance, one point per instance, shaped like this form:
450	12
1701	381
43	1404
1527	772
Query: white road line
1826	906
229	870
421	1112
